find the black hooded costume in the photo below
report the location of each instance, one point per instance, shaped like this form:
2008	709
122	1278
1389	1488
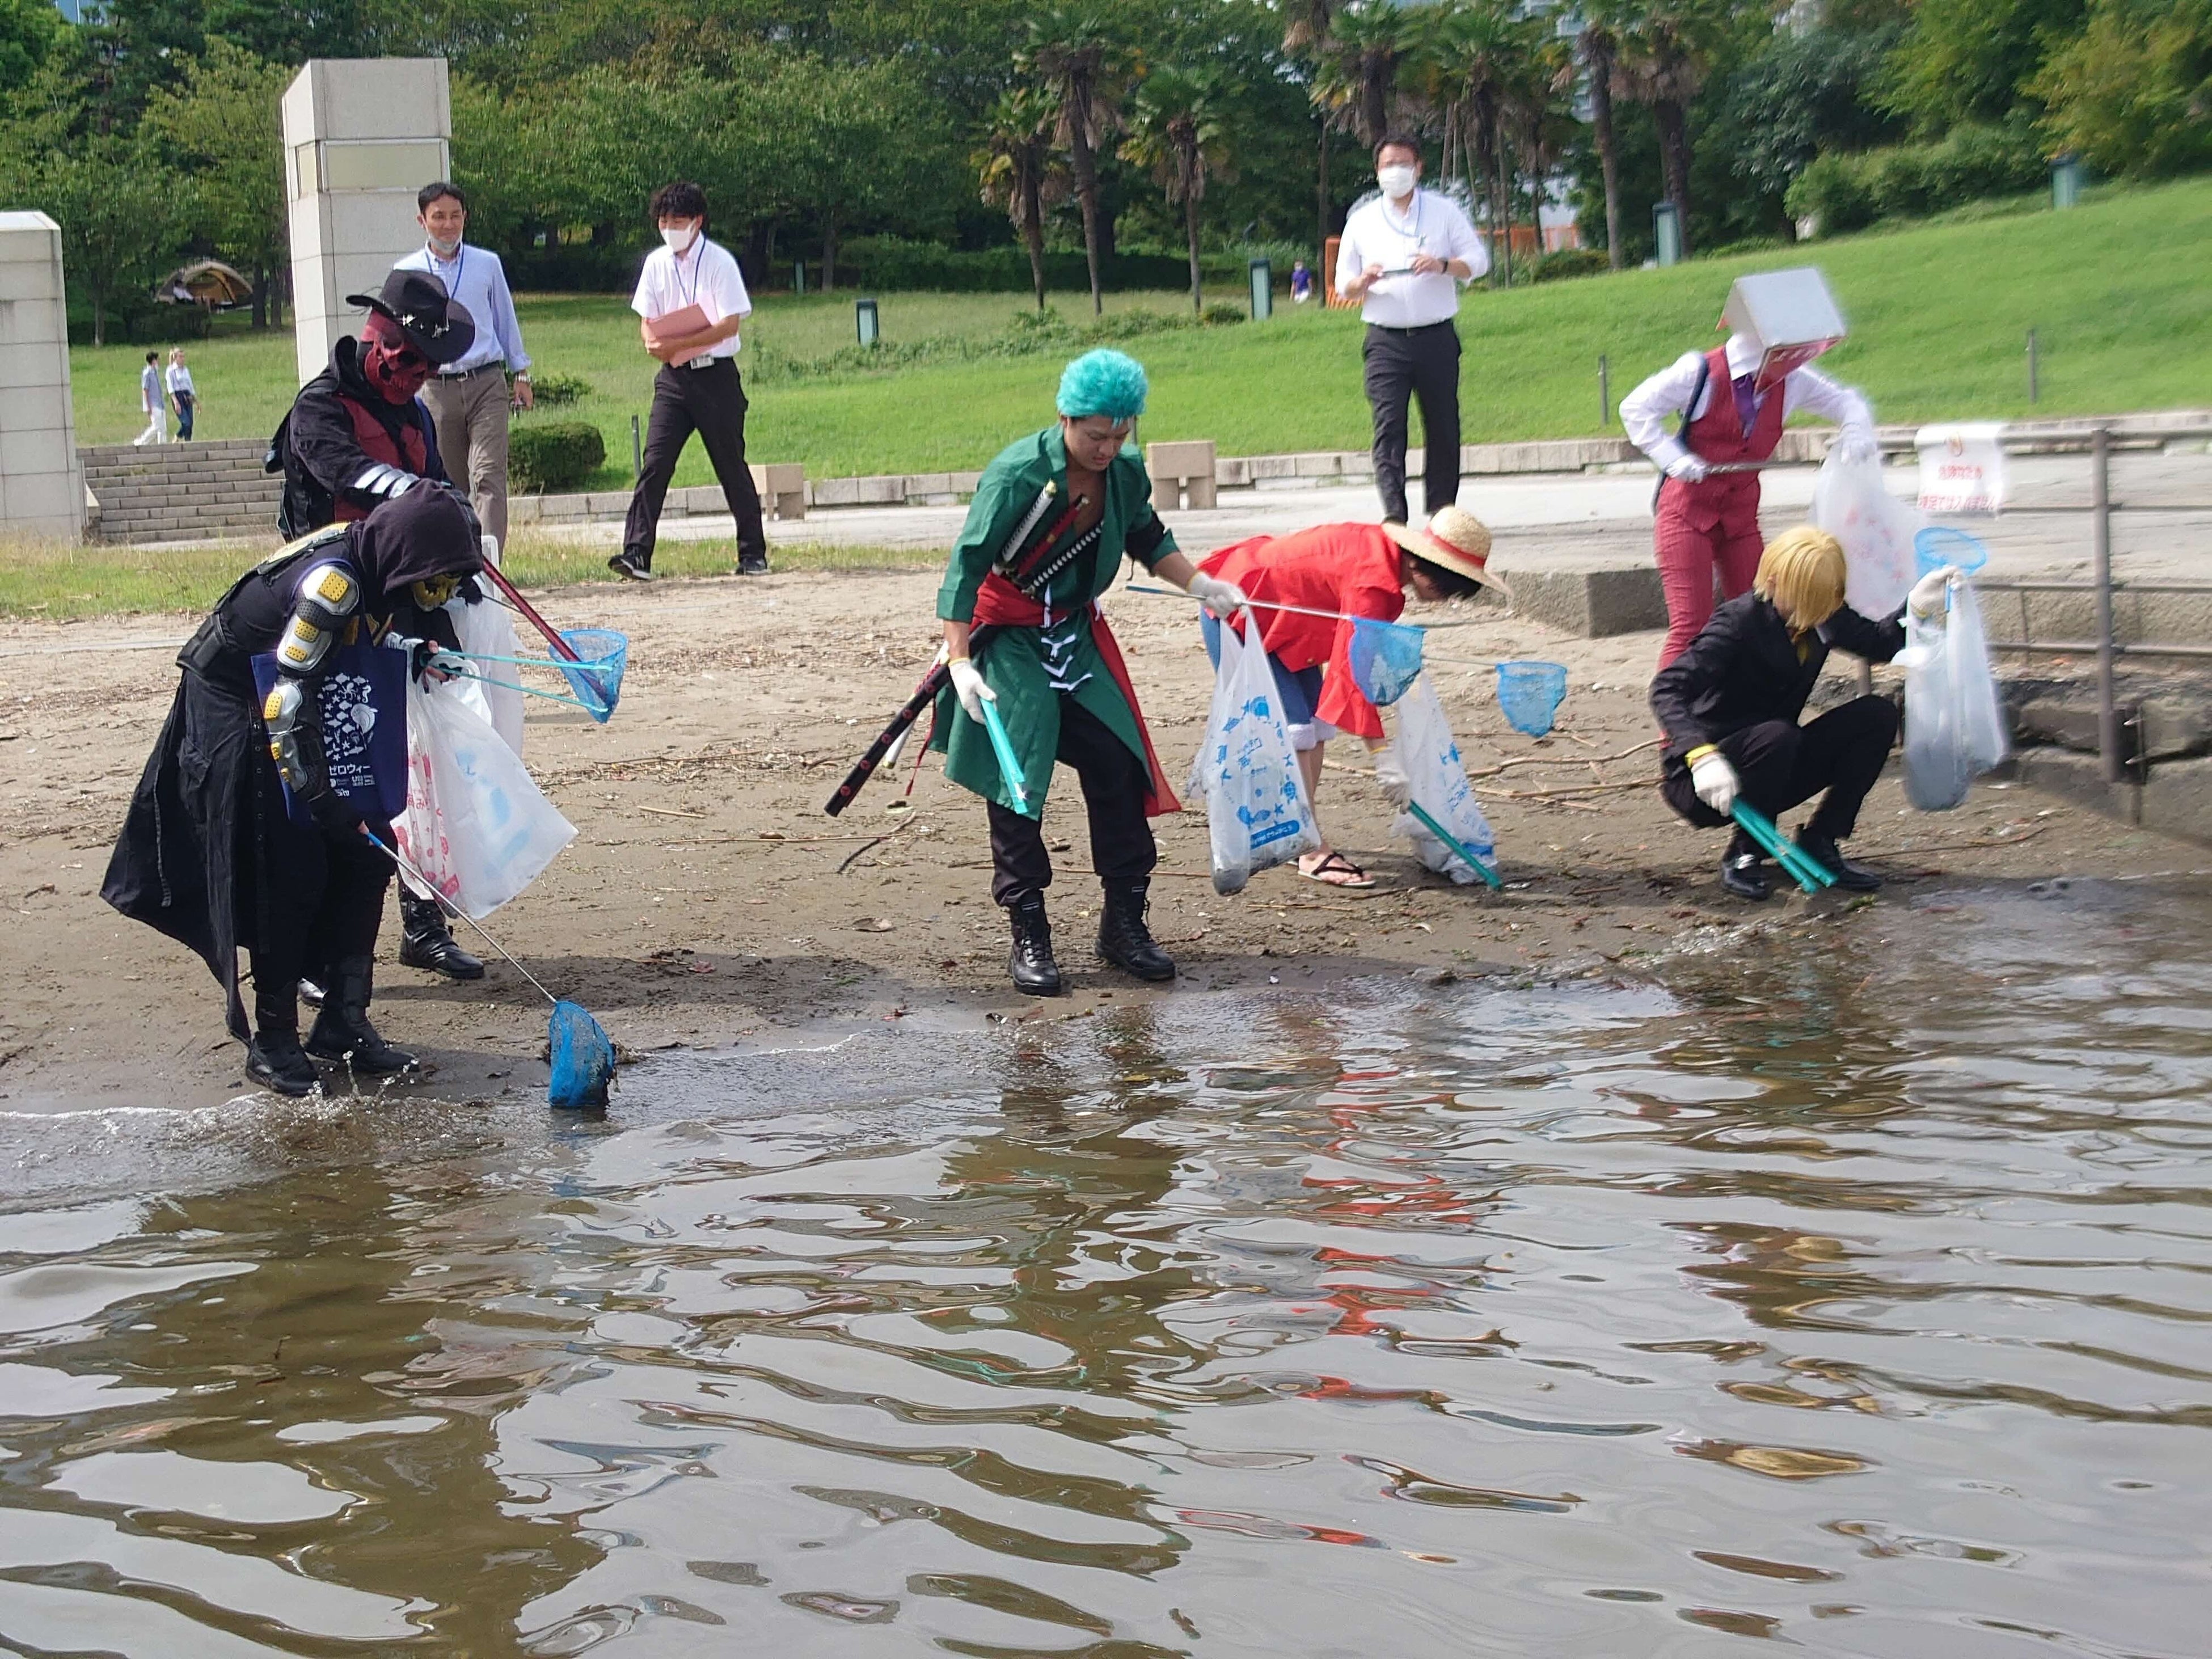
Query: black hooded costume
208	854
343	449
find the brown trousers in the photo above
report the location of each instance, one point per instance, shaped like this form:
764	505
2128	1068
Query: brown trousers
471	415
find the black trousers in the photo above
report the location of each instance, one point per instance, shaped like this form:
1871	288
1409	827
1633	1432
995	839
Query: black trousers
712	402
1113	780
322	907
1403	364
1779	763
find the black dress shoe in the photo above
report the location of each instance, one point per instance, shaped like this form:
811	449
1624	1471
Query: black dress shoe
425	940
630	570
1744	874
1034	973
275	1060
312	992
755	564
1852	878
342	1030
1123	938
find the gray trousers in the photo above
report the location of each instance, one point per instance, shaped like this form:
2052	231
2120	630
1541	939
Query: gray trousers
471	415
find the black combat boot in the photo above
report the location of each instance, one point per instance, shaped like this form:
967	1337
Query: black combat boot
427	942
1823	850
275	1060
1123	938
1034	973
342	1030
1744	869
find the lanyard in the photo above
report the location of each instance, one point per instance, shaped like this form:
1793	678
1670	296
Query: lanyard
699	250
459	263
1414	229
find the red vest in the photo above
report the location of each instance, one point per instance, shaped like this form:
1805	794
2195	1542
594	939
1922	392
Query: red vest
1728	500
408	455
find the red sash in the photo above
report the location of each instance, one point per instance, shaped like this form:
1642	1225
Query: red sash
999	604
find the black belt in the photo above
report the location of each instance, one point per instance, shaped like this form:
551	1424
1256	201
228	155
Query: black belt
470	374
708	361
1417	328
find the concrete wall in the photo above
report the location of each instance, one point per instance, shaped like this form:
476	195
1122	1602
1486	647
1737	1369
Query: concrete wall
361	136
41	485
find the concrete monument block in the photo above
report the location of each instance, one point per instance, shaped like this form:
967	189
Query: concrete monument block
361	136
41	480
1182	474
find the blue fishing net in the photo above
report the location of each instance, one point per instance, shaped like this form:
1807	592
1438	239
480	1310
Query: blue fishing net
596	680
1936	545
1529	694
583	1060
1386	658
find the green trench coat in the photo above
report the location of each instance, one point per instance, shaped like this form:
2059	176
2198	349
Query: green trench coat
1013	661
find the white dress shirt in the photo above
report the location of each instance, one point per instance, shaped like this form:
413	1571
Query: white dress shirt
180	380
706	276
475	276
1644	411
1377	233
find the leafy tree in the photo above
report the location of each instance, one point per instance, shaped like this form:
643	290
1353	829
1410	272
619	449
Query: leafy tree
1476	53
222	125
1972	60
1071	51
1018	171
1175	131
119	213
2133	93
1598	47
1800	95
29	29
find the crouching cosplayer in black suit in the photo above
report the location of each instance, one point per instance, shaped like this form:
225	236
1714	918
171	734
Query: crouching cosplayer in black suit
1729	705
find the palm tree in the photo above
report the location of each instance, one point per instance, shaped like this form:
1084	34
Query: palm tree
1533	102
1481	48
1598	45
1664	55
1070	51
1306	36
1371	37
1018	171
1178	134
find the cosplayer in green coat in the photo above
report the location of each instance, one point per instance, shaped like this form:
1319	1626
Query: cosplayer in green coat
1053	517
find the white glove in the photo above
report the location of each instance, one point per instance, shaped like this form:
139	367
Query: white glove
1857	443
1222	600
968	685
1689	468
1930	594
1715	781
1392	777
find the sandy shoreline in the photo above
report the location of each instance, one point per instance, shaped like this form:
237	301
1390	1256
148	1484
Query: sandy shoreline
703	904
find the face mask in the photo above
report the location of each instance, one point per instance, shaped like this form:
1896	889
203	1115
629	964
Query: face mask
1397	182
434	591
394	367
679	240
444	249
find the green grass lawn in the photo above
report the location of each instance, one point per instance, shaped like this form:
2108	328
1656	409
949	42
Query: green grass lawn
1939	313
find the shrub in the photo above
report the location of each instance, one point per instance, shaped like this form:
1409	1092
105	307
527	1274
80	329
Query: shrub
556	455
1221	315
555	391
1846	192
1570	262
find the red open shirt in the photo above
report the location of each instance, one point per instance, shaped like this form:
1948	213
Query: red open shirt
1347	567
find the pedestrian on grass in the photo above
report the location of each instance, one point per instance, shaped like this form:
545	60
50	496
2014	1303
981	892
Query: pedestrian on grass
690	299
1404	253
1729	705
469	397
1356	571
1301	282
153	402
183	398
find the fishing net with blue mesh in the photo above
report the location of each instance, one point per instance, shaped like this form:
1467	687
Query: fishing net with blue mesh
596	677
1386	658
1529	694
583	1060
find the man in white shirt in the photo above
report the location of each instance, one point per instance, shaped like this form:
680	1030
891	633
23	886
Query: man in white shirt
1403	255
697	389
468	399
1731	411
152	404
184	397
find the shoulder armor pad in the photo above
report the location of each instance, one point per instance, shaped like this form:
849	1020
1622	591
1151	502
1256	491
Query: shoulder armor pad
332	587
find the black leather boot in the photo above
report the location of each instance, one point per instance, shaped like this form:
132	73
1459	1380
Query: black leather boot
1123	938
342	1030
427	942
1744	869
1851	877
1034	973
275	1060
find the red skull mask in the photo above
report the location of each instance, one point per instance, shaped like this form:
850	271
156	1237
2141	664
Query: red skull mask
389	362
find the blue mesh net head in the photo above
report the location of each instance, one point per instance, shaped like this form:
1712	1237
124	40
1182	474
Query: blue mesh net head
583	1060
596	680
1386	658
1529	694
1936	545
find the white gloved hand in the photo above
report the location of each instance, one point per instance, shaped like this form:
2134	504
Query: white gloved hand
1690	469
1929	595
1857	443
1392	777
968	685
1222	600
1715	781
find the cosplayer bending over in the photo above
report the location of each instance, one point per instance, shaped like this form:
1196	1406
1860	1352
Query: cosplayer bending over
1729	705
1732	402
208	854
357	436
1356	570
1052	518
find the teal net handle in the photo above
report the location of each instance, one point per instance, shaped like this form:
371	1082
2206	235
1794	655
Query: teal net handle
1458	849
1803	869
1010	769
533	662
531	690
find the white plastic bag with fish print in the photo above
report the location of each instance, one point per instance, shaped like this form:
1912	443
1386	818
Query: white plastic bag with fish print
1430	760
476	824
1256	808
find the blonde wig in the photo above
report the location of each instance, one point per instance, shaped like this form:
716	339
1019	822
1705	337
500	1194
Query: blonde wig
1802	575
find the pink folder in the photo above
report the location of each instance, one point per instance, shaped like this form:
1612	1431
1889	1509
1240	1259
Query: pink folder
674	324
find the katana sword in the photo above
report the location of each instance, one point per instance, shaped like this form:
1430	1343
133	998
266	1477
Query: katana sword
925	693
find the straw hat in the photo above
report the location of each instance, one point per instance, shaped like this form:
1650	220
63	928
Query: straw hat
1455	539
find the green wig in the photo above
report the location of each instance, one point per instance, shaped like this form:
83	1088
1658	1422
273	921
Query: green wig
1101	382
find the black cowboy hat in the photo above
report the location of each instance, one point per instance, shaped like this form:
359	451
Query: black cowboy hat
436	324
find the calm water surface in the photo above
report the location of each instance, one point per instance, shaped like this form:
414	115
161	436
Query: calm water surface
1849	1292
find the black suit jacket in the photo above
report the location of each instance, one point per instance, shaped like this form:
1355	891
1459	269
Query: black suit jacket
1744	669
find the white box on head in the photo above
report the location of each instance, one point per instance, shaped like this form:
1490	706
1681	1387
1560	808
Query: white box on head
1790	313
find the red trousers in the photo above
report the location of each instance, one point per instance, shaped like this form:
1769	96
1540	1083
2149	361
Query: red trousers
1689	559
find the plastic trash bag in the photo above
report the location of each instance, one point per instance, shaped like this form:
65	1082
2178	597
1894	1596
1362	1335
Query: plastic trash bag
1432	761
487	630
1876	528
1954	726
476	824
1256	809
